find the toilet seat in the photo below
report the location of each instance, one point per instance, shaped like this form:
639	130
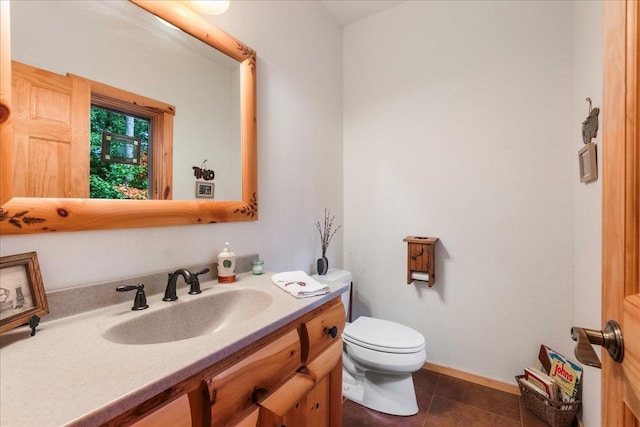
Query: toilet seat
383	335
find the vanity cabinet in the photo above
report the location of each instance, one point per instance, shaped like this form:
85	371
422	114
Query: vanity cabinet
291	377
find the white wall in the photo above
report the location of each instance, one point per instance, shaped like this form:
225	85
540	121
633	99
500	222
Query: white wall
587	82
458	124
299	48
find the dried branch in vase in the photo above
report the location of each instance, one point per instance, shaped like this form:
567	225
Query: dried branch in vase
326	233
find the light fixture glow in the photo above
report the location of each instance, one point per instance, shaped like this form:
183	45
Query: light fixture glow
210	7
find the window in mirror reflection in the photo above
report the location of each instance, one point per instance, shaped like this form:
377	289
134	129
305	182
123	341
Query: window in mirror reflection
118	155
53	148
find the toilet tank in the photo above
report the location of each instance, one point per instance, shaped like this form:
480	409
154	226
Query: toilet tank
341	276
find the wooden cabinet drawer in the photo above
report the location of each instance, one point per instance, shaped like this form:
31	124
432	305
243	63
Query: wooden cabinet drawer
322	330
234	390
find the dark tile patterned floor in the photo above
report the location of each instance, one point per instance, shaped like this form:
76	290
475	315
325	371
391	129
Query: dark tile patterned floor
448	401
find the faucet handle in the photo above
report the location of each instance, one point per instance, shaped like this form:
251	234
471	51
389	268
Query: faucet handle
140	300
195	283
206	270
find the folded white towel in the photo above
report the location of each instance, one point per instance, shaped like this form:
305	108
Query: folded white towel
299	284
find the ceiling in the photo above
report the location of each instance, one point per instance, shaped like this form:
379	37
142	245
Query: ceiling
348	11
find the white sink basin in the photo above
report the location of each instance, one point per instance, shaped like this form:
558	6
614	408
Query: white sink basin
190	316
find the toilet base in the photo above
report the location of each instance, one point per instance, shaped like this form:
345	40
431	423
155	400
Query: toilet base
391	394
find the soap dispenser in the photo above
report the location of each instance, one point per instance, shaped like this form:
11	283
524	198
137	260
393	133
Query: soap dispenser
226	265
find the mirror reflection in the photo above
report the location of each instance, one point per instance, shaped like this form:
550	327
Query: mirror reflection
122	46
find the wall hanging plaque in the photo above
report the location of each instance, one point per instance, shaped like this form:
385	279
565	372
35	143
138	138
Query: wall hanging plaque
202	172
205	190
587	156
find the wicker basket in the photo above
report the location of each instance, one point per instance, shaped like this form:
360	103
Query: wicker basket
555	413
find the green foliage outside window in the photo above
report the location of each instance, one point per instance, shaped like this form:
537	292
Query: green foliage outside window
116	180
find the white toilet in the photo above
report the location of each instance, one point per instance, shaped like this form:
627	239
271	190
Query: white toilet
378	359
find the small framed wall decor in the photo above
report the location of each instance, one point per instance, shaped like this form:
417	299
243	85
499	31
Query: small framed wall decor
588	163
204	190
21	290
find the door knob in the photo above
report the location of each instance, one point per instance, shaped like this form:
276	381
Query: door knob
610	338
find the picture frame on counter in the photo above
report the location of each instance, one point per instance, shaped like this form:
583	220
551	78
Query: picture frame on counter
22	293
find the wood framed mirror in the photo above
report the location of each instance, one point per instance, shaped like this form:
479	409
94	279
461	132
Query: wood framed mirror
27	215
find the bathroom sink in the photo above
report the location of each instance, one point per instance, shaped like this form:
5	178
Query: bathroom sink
188	317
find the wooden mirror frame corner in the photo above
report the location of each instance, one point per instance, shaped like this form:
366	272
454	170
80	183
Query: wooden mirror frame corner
25	215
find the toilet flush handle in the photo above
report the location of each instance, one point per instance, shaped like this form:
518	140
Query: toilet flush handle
333	331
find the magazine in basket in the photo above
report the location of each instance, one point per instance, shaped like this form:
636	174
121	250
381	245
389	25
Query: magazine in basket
563	371
543	382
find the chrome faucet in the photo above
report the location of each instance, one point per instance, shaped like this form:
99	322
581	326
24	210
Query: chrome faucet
189	278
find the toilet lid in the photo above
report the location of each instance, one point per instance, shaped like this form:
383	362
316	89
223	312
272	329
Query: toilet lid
383	335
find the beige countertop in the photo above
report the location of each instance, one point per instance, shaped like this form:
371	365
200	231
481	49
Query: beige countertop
68	374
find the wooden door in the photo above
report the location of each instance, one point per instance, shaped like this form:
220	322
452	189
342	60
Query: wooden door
621	210
50	133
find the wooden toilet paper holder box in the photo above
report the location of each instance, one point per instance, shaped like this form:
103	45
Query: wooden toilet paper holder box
421	259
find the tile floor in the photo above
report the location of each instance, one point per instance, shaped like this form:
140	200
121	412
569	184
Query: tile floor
448	401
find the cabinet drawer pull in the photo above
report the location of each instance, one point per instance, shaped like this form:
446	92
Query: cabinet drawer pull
333	331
